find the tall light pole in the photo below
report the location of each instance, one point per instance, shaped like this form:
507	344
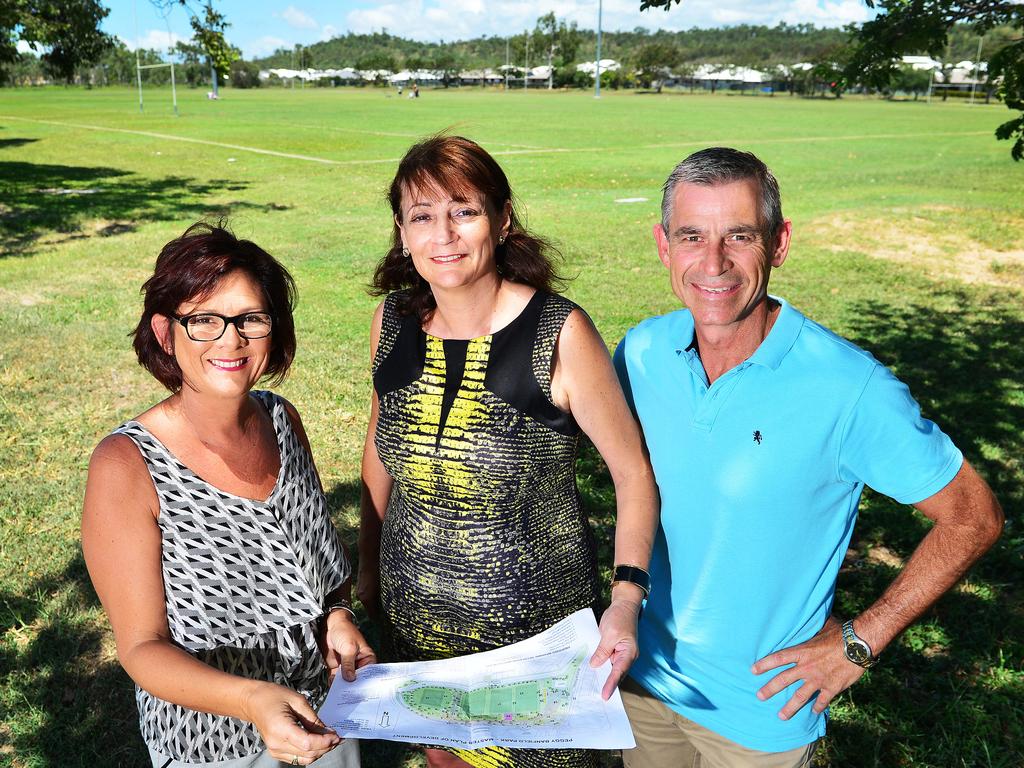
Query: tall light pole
138	72
526	63
597	63
506	64
977	69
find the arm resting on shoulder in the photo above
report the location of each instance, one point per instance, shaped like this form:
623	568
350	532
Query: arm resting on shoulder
967	522
584	383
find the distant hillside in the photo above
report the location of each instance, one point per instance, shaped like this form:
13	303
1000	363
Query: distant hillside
744	45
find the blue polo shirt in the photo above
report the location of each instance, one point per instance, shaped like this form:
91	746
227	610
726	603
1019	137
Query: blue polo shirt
760	475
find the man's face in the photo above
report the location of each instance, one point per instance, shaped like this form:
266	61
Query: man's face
716	255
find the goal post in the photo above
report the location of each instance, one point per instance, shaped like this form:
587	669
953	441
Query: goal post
138	76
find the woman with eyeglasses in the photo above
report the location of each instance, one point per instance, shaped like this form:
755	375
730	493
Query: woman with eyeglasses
205	527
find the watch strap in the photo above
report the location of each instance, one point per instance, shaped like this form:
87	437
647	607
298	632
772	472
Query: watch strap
850	637
633	574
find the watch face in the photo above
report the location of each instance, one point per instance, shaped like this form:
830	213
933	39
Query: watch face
856	653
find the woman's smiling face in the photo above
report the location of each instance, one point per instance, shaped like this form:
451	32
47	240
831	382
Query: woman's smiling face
451	240
231	365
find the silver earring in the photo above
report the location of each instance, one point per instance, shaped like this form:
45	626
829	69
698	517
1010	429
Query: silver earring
405	252
501	239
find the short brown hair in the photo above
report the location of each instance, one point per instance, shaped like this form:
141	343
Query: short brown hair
189	268
459	166
725	165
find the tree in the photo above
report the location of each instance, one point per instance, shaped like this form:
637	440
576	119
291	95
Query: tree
910	80
67	31
191	67
377	61
208	33
926	25
208	29
554	41
653	62
245	74
447	63
911	26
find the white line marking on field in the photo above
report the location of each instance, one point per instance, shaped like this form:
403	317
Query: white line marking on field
190	140
533	151
797	139
338	129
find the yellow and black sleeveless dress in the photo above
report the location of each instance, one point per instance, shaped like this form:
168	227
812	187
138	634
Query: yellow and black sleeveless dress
485	542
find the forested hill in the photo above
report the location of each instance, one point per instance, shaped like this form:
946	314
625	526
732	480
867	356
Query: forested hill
744	45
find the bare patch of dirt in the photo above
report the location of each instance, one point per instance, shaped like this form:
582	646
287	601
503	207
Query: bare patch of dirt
27	299
938	251
884	556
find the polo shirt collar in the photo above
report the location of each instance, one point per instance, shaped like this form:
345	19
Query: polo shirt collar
780	338
771	351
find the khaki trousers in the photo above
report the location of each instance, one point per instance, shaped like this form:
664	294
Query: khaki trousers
666	739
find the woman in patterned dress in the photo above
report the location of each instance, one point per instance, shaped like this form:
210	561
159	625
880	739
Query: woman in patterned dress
472	535
205	527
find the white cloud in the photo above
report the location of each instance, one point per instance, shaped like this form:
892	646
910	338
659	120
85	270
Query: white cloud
328	32
460	19
156	40
265	46
297	19
830	13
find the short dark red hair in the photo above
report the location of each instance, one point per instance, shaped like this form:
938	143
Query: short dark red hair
188	269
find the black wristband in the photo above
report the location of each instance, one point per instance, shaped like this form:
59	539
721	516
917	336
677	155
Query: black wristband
633	575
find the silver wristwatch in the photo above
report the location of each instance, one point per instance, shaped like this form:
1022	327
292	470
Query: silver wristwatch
856	648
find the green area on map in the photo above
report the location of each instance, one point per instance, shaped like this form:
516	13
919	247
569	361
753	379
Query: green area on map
540	701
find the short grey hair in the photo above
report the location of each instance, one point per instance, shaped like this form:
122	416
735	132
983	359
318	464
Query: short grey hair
724	165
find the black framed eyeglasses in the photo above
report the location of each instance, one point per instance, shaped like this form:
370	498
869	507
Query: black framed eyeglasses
209	326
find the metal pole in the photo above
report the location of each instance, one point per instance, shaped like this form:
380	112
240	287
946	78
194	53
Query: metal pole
138	72
551	70
597	63
931	79
977	68
507	64
174	90
526	63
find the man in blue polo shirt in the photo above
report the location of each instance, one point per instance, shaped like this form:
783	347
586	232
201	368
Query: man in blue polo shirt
763	429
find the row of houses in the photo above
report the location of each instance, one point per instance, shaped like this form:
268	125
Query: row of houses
534	75
709	76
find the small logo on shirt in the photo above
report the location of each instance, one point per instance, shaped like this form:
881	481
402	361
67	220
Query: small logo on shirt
757	436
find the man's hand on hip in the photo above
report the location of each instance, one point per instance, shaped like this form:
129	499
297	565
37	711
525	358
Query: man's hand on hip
820	662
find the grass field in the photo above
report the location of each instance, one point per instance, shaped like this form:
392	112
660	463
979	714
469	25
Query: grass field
908	225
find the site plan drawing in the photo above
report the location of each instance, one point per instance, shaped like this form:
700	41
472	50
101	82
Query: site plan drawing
537	693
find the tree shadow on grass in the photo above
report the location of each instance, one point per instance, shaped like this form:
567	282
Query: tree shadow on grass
949	691
69	705
42	203
67	701
5	143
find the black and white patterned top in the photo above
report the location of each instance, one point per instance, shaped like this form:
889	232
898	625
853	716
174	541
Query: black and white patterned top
244	583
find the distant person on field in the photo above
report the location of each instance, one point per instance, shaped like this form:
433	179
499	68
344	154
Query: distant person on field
205	528
763	428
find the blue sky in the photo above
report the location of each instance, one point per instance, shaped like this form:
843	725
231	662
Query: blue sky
260	26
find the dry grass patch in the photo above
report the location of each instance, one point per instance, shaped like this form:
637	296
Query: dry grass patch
929	239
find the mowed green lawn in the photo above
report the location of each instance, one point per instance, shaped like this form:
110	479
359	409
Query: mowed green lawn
908	224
